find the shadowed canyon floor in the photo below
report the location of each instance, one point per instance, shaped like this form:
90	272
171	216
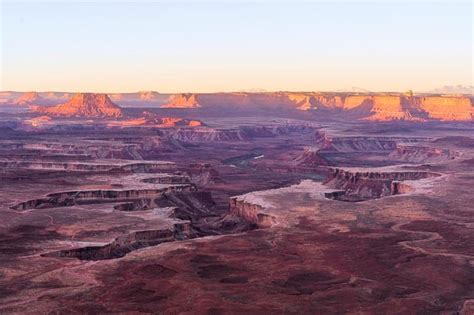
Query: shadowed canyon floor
254	215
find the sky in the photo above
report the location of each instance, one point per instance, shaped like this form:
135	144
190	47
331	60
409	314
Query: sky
224	46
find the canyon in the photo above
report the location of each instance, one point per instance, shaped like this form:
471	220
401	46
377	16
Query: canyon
225	203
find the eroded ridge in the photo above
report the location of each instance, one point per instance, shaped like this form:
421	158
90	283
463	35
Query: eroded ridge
128	243
349	185
143	167
262	207
69	198
360	185
379	150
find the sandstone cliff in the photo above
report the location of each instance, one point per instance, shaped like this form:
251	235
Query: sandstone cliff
182	101
373	107
28	98
349	106
84	105
251	212
152	120
148	95
360	184
447	108
310	158
412	108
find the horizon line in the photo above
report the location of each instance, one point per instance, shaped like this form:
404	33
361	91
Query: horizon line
362	91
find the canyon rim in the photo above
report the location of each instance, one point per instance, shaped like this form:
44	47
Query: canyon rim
217	158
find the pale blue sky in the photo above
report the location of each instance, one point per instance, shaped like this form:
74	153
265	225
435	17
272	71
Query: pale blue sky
220	46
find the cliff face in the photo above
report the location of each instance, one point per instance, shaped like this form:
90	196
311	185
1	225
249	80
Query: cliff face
85	105
173	121
391	107
422	154
151	119
182	101
251	212
127	243
312	101
310	158
350	106
363	185
381	107
28	98
373	107
207	135
412	108
354	144
148	95
447	108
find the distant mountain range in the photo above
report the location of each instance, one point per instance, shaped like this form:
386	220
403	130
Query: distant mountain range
342	105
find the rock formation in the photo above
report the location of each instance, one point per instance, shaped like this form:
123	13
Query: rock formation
422	154
447	108
28	98
182	101
125	244
355	144
84	105
362	184
153	120
310	158
175	121
207	135
252	212
148	95
373	107
343	105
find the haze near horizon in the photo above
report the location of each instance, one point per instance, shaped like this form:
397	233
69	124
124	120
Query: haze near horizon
210	47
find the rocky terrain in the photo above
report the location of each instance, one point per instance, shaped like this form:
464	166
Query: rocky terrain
182	101
121	209
84	104
153	120
361	106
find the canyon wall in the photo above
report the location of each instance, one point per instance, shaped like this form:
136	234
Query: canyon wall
310	157
252	212
359	185
127	243
447	108
368	106
375	107
422	154
70	198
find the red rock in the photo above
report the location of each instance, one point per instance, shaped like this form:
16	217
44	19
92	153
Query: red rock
85	105
28	98
151	119
310	157
373	107
182	101
148	95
